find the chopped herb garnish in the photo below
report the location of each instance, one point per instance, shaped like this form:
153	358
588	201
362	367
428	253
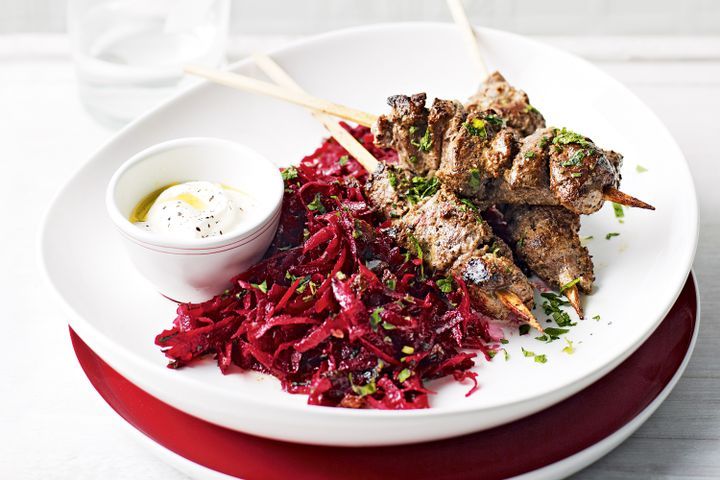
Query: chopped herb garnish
611	234
575	159
507	355
527	353
541	358
543	142
419	188
619	212
640	169
476	127
570	284
375	319
425	142
569	349
504	341
529	154
407	350
316	204
391	283
261	286
475	178
493	119
529	108
363	390
524	329
576	175
413	129
596	318
388	326
551	334
343	160
565	136
551	306
404	375
289	173
413	159
445	284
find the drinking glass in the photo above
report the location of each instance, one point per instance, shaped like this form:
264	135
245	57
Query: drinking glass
129	54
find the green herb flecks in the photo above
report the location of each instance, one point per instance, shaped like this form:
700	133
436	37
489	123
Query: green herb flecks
524	329
569	349
375	319
551	306
404	375
343	160
476	127
575	159
363	390
475	180
640	169
493	119
445	284
619	212
529	154
550	334
570	284
261	286
425	142
316	205
611	235
565	137
289	173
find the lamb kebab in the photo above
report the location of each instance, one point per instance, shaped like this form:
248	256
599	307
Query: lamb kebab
451	237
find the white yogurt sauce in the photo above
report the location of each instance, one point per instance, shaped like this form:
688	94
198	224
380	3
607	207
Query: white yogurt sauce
197	209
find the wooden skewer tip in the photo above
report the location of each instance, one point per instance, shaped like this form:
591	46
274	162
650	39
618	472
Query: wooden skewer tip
615	195
514	303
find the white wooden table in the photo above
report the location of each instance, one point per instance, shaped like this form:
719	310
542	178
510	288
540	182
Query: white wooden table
54	425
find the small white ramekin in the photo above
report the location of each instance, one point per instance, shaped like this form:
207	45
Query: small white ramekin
193	270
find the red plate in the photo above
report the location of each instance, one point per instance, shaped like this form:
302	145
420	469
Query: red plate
509	450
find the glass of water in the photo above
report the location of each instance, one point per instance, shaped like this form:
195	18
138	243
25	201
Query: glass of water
129	54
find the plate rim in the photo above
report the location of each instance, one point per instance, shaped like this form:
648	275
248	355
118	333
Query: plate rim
88	331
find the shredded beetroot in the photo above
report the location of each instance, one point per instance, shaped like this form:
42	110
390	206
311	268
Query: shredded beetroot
337	310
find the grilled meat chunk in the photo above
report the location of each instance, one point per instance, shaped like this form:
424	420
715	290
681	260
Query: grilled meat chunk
479	149
546	239
381	190
512	104
414	131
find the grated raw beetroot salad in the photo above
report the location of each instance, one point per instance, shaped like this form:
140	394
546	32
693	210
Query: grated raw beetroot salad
337	310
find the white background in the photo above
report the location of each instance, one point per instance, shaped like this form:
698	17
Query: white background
53	425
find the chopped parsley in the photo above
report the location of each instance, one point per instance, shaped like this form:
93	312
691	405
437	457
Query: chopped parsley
316	205
569	349
619	212
261	286
476	127
425	142
475	178
404	375
551	334
565	136
570	284
343	160
289	173
527	353
596	318
543	142
493	119
391	283
529	154
575	160
576	175
529	108
413	159
524	329
504	341
640	169
551	306
468	205
611	234
541	358
375	319
445	284
421	187
363	390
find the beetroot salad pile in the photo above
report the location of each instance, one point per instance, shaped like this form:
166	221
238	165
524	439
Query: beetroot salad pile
337	310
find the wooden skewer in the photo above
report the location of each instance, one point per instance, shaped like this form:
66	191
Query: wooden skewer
461	19
342	136
258	86
615	195
366	159
514	303
573	296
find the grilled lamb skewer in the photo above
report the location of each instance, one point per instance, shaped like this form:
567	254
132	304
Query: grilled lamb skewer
455	240
473	150
544	238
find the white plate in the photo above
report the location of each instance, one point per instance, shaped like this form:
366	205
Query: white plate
640	273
